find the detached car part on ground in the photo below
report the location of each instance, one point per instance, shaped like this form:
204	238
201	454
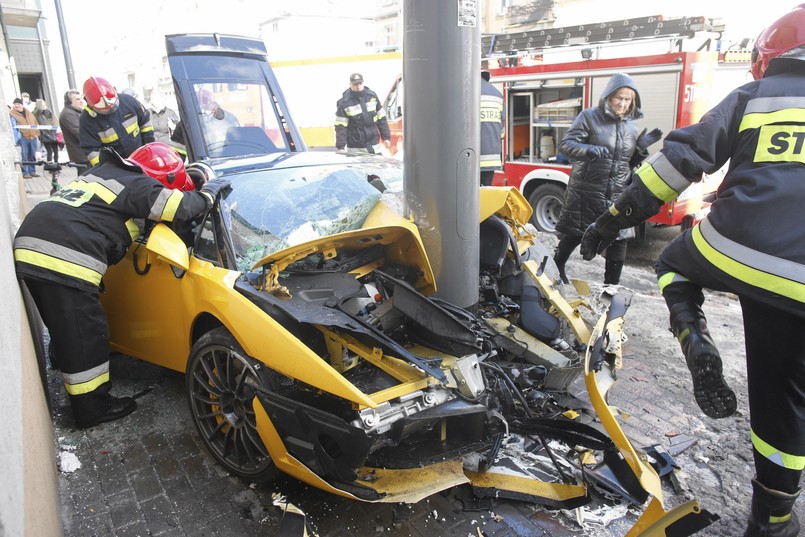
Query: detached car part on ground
301	309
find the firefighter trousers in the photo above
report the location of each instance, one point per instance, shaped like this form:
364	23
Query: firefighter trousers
79	336
775	367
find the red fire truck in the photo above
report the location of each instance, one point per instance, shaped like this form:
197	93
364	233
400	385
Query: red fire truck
548	76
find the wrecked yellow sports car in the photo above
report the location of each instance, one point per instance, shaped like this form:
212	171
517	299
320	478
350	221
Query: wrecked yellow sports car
301	310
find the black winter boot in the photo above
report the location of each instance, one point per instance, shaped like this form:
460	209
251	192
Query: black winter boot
612	271
98	406
713	396
772	513
560	258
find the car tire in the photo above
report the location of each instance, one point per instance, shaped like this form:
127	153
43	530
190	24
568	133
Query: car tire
219	385
547	201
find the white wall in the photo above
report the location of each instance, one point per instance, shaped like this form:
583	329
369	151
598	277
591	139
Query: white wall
29	501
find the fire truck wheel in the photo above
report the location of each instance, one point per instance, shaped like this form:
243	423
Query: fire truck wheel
547	201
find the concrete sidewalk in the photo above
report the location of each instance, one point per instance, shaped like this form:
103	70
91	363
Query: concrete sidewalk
39	188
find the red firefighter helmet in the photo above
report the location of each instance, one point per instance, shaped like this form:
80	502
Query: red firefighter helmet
163	163
784	34
100	95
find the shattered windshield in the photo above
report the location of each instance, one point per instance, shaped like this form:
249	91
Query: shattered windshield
273	210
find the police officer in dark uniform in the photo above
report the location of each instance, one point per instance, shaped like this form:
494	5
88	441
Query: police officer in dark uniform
752	244
360	119
65	244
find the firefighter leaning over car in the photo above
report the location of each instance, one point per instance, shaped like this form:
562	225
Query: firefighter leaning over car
112	119
360	119
65	244
491	129
752	244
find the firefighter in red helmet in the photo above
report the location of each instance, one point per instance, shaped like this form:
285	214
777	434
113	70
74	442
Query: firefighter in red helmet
65	244
751	244
112	119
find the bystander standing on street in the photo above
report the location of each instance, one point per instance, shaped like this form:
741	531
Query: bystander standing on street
69	120
603	145
29	137
163	118
49	124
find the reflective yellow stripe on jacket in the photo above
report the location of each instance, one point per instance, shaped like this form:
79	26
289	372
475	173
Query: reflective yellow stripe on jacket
661	178
776	275
58	258
165	206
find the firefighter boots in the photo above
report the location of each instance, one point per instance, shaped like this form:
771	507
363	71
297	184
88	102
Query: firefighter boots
712	394
98	406
772	513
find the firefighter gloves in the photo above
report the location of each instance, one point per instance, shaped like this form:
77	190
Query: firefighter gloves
594	241
212	189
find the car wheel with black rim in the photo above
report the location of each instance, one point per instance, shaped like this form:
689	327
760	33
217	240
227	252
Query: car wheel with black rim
220	382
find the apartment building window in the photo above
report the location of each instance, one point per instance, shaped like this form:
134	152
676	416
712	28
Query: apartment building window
390	35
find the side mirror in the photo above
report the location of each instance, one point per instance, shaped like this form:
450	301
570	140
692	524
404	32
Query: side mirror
166	244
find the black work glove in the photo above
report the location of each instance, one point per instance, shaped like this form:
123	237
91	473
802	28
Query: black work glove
647	138
212	189
597	151
594	241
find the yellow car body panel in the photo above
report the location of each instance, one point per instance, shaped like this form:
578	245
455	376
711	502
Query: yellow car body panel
402	244
598	384
162	335
558	492
507	202
391	485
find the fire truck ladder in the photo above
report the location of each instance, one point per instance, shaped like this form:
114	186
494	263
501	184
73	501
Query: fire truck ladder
514	44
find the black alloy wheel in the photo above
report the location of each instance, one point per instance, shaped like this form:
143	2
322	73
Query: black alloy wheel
220	381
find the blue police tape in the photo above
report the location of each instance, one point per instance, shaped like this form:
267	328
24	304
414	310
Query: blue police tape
40	127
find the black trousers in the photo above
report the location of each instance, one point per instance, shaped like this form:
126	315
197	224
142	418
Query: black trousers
486	177
79	336
775	367
52	149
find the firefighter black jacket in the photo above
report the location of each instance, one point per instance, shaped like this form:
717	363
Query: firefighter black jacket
360	120
73	236
124	130
752	239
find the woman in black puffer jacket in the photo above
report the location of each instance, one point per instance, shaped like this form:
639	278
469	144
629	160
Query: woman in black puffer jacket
603	146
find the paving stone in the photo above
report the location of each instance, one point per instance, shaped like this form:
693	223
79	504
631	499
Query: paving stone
159	515
146	484
124	509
